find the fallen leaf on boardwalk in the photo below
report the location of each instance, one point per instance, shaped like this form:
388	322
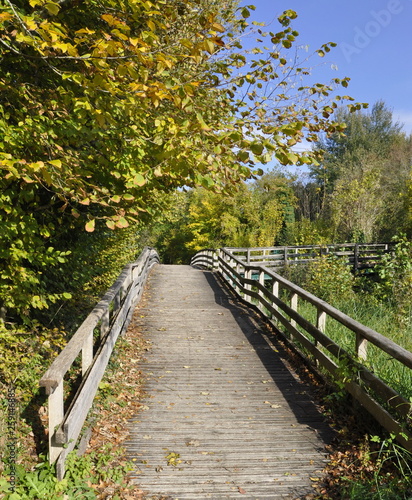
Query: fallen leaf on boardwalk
187	367
147	437
173	459
276	406
204	393
241	490
193	442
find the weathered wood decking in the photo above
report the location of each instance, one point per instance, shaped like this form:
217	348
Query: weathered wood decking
225	418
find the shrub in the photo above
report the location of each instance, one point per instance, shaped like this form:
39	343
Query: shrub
330	279
395	275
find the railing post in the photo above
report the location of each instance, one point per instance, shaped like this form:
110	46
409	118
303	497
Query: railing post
216	260
56	415
294	306
356	257
248	276
104	324
361	347
235	267
261	282
275	292
232	264
285	256
87	353
320	325
116	302
321	320
248	256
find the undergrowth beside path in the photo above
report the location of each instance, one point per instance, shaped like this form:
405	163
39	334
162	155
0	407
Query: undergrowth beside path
364	462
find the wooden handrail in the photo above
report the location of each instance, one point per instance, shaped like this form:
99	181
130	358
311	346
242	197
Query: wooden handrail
112	315
358	380
359	255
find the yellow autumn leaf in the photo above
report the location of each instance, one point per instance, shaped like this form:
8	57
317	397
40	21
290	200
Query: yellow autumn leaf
218	27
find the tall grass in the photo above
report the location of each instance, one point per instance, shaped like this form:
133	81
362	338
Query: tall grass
358	298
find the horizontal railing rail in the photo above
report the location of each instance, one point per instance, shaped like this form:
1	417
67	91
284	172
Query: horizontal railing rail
283	303
94	342
358	255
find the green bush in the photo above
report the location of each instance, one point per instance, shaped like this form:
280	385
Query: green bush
330	279
83	478
395	279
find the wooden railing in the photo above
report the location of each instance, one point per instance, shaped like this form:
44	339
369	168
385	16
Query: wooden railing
359	256
284	303
93	341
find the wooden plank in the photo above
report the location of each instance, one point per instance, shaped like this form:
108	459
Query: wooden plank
56	414
220	395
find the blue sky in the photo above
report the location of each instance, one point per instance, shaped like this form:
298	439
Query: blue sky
374	45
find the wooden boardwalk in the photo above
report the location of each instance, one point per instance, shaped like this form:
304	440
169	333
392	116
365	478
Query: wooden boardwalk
224	417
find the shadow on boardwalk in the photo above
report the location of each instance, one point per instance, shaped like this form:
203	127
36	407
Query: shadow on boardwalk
273	357
224	417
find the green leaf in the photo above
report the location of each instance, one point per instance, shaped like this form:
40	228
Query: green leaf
139	180
52	8
243	156
256	148
122	223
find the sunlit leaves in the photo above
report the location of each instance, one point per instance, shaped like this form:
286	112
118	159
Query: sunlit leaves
107	104
90	226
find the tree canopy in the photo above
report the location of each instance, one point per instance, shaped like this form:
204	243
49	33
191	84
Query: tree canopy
106	104
364	176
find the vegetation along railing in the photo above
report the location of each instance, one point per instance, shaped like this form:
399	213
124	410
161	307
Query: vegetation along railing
304	320
360	256
93	341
